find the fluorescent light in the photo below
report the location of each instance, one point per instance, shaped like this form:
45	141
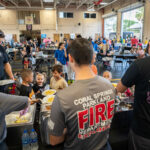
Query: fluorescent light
48	1
103	3
2	7
49	8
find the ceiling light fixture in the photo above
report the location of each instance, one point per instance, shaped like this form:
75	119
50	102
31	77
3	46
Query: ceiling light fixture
49	8
48	1
2	8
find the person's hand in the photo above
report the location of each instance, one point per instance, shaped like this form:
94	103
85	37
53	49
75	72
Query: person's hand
35	101
12	78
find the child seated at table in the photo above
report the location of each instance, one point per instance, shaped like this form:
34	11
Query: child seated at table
107	75
57	82
40	85
140	53
26	87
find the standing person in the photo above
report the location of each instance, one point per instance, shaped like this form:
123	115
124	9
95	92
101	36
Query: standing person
61	58
8	104
138	74
134	41
4	63
83	111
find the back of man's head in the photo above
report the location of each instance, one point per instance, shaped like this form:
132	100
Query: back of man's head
82	51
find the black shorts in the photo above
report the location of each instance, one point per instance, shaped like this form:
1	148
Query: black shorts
137	142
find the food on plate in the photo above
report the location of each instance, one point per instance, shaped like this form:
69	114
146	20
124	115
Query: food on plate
48	107
21	120
49	92
50	99
114	84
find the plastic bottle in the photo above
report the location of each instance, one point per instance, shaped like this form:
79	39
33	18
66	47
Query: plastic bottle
25	141
33	140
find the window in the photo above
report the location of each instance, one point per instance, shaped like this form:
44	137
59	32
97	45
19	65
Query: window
132	23
23	14
89	15
93	15
110	27
65	15
86	15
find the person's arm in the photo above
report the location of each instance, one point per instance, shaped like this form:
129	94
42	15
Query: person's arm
65	52
9	70
57	124
129	79
10	103
56	56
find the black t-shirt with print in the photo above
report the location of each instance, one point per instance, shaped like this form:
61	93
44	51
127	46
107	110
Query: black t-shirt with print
138	74
3	61
25	90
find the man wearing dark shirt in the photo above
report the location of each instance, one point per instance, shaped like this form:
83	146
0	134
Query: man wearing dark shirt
4	64
138	74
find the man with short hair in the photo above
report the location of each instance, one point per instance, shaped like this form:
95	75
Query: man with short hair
4	63
82	113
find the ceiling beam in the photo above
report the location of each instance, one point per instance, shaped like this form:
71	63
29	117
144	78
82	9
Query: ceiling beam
107	4
25	8
69	3
83	1
42	4
28	3
14	3
2	4
55	3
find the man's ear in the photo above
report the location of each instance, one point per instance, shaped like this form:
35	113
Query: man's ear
71	58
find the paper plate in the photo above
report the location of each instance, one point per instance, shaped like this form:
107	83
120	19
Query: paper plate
5	82
49	92
48	99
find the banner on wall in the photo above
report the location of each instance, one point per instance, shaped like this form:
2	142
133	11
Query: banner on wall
28	20
43	36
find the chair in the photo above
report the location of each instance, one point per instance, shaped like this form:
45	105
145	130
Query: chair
118	62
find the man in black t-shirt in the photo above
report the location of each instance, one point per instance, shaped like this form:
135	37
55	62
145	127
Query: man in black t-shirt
4	64
138	74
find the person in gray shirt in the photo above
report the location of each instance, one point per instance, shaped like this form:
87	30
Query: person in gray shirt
82	113
8	104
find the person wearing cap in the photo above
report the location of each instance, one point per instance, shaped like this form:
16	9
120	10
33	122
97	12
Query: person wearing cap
4	63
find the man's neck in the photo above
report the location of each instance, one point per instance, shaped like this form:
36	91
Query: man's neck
84	72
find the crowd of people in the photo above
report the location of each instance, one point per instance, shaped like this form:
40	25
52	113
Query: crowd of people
82	112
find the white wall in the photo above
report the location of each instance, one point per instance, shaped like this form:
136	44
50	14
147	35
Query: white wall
88	27
50	23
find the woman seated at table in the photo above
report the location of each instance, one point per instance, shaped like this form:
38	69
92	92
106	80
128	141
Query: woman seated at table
140	53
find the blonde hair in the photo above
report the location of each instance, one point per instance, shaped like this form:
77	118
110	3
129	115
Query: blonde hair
108	73
42	74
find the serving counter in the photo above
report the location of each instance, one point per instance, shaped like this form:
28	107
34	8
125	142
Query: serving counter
16	125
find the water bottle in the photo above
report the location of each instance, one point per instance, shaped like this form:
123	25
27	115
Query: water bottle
25	141
33	140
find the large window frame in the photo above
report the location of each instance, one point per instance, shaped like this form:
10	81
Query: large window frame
112	21
130	32
23	14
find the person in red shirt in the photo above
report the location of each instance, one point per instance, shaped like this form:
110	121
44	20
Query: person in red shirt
134	41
